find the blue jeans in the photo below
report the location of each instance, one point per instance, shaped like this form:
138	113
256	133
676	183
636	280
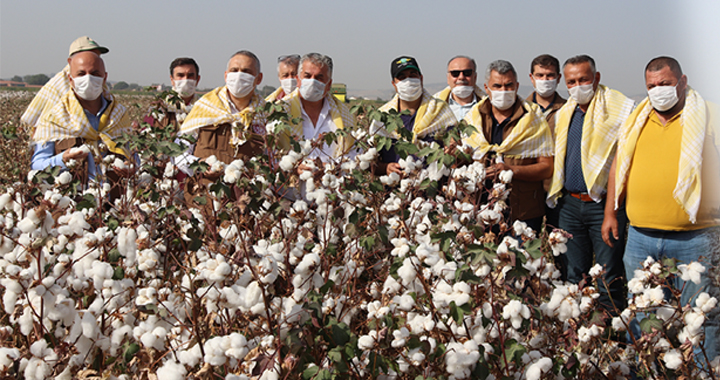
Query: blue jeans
584	221
686	246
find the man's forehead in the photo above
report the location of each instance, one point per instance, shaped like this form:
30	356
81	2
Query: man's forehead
241	62
578	67
495	76
308	66
460	62
86	58
545	68
285	67
185	68
665	73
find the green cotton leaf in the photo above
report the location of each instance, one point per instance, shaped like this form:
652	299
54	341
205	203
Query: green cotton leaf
514	350
335	355
310	372
341	334
200	200
327	286
88	201
650	323
113	256
118	273
405	149
481	253
456	313
533	248
130	351
367	242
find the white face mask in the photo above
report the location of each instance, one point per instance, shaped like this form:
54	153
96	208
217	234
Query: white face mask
240	84
288	85
583	93
312	90
185	87
545	88
502	100
88	87
463	92
409	89
663	98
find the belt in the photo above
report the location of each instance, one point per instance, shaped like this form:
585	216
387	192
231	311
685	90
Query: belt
585	197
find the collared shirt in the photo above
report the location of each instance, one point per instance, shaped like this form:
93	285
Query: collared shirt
461	110
45	156
324	124
498	130
574	177
549	106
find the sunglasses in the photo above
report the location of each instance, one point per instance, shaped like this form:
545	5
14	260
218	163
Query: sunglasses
456	73
284	57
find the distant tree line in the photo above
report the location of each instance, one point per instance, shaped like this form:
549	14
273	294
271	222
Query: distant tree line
36	79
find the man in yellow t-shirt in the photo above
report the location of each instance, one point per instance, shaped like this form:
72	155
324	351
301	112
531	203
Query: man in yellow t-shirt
668	169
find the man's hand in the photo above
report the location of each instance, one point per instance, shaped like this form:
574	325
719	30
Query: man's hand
492	171
610	225
393	167
74	154
303	168
452	147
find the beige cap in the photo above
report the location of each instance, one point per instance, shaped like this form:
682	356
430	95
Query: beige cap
86	43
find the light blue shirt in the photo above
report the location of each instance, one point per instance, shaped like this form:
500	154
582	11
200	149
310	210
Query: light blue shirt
461	110
45	156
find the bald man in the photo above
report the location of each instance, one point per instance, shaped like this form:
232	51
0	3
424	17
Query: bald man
84	115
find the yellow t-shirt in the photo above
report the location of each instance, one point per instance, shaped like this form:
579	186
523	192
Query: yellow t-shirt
653	175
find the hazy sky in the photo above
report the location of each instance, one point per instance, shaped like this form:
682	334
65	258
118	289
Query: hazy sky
363	37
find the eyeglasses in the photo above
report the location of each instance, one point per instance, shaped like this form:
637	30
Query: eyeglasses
295	57
456	73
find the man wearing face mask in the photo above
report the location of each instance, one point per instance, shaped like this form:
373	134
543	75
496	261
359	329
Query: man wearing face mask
228	121
58	85
516	132
85	115
586	132
462	92
668	170
545	74
318	109
184	77
287	75
426	115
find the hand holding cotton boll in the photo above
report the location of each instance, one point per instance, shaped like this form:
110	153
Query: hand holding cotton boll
78	154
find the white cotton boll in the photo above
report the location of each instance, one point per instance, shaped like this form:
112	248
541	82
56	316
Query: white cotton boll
390	180
366	342
81	149
404	302
64	178
119	164
29	223
673	359
596	271
505	176
705	302
8	356
586	334
400	337
516	312
5	200
691	272
536	369
391	286
190	357
171	370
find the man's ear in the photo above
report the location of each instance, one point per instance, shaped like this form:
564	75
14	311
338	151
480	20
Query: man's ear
258	79
198	80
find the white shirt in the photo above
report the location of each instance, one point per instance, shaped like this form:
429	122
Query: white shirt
461	110
324	124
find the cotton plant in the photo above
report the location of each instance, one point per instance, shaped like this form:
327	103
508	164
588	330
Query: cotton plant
418	274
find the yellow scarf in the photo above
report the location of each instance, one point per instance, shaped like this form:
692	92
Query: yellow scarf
67	120
432	116
605	114
275	95
48	96
214	109
694	121
339	112
530	138
444	94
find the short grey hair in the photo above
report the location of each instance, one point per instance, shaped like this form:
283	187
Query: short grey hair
290	60
466	57
578	59
318	60
501	67
248	54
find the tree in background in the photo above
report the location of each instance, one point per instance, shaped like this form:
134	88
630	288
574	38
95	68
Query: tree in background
37	79
121	86
16	78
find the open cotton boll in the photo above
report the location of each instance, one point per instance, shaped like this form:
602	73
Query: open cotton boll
81	149
171	370
691	272
536	369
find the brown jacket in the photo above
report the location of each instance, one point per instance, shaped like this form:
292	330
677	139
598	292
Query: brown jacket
557	103
527	198
214	140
